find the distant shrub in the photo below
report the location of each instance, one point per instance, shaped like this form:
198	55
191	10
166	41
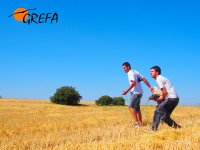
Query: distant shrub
104	100
118	101
66	95
107	100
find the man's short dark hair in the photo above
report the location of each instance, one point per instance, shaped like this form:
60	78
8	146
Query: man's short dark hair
126	64
157	69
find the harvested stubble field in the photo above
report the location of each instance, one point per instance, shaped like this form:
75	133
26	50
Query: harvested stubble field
39	124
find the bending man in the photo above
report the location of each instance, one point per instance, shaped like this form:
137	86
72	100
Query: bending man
167	101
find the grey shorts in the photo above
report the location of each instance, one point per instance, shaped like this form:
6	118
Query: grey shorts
135	101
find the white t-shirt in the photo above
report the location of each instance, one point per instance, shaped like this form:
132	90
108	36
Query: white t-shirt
135	75
164	82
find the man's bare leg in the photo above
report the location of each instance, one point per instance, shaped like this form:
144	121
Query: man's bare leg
134	115
139	117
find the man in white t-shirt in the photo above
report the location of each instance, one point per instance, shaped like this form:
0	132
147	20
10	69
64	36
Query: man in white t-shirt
136	91
167	101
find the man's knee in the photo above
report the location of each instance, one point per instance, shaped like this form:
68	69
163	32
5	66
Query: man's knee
157	115
160	110
134	109
130	108
164	118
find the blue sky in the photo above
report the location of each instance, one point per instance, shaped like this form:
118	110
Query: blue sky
91	40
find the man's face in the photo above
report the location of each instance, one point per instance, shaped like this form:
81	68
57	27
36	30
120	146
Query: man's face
153	73
126	68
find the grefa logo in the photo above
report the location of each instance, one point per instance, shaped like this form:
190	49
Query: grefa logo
24	15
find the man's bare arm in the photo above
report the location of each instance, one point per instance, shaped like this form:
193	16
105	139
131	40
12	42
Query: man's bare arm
147	83
163	94
129	88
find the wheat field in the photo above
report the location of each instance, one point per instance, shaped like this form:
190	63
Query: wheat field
39	124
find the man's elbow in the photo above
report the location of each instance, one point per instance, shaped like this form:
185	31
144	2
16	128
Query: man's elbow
133	84
144	79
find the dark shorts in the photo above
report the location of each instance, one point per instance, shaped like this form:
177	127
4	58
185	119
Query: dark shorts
135	101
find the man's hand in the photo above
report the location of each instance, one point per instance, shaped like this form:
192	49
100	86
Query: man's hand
151	89
163	95
124	92
160	99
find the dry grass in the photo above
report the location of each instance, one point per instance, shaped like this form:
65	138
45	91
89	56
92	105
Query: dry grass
32	124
